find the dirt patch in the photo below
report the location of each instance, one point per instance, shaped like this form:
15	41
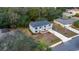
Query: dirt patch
48	38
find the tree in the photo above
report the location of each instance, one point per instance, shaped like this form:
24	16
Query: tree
21	16
33	13
4	21
13	17
54	13
17	42
23	21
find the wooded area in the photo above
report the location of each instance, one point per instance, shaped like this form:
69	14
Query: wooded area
21	16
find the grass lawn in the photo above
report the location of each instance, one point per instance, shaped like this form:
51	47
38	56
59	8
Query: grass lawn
63	30
46	38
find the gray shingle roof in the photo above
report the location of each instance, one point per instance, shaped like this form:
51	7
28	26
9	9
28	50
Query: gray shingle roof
39	23
67	21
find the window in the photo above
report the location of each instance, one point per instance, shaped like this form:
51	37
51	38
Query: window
44	26
70	12
49	24
36	28
39	27
35	31
44	29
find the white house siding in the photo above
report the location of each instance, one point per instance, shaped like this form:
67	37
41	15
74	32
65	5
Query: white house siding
67	14
36	30
43	28
71	12
40	29
74	11
31	28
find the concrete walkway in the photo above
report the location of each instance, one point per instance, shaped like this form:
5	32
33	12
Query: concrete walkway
62	37
55	44
72	29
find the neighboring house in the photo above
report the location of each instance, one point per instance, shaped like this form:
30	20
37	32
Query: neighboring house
65	22
70	12
40	26
73	11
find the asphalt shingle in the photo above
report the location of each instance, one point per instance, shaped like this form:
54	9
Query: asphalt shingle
66	21
39	23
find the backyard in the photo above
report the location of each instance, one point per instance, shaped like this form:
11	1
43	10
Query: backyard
62	30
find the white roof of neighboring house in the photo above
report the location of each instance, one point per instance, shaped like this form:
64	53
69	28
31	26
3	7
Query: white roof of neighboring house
67	14
71	12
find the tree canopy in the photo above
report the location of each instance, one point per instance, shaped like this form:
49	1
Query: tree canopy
21	16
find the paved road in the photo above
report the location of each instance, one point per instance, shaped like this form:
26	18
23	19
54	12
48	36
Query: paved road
71	45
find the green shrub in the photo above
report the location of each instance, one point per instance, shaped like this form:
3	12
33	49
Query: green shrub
76	24
77	15
17	42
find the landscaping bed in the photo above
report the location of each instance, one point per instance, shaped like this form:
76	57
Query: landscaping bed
63	31
47	38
